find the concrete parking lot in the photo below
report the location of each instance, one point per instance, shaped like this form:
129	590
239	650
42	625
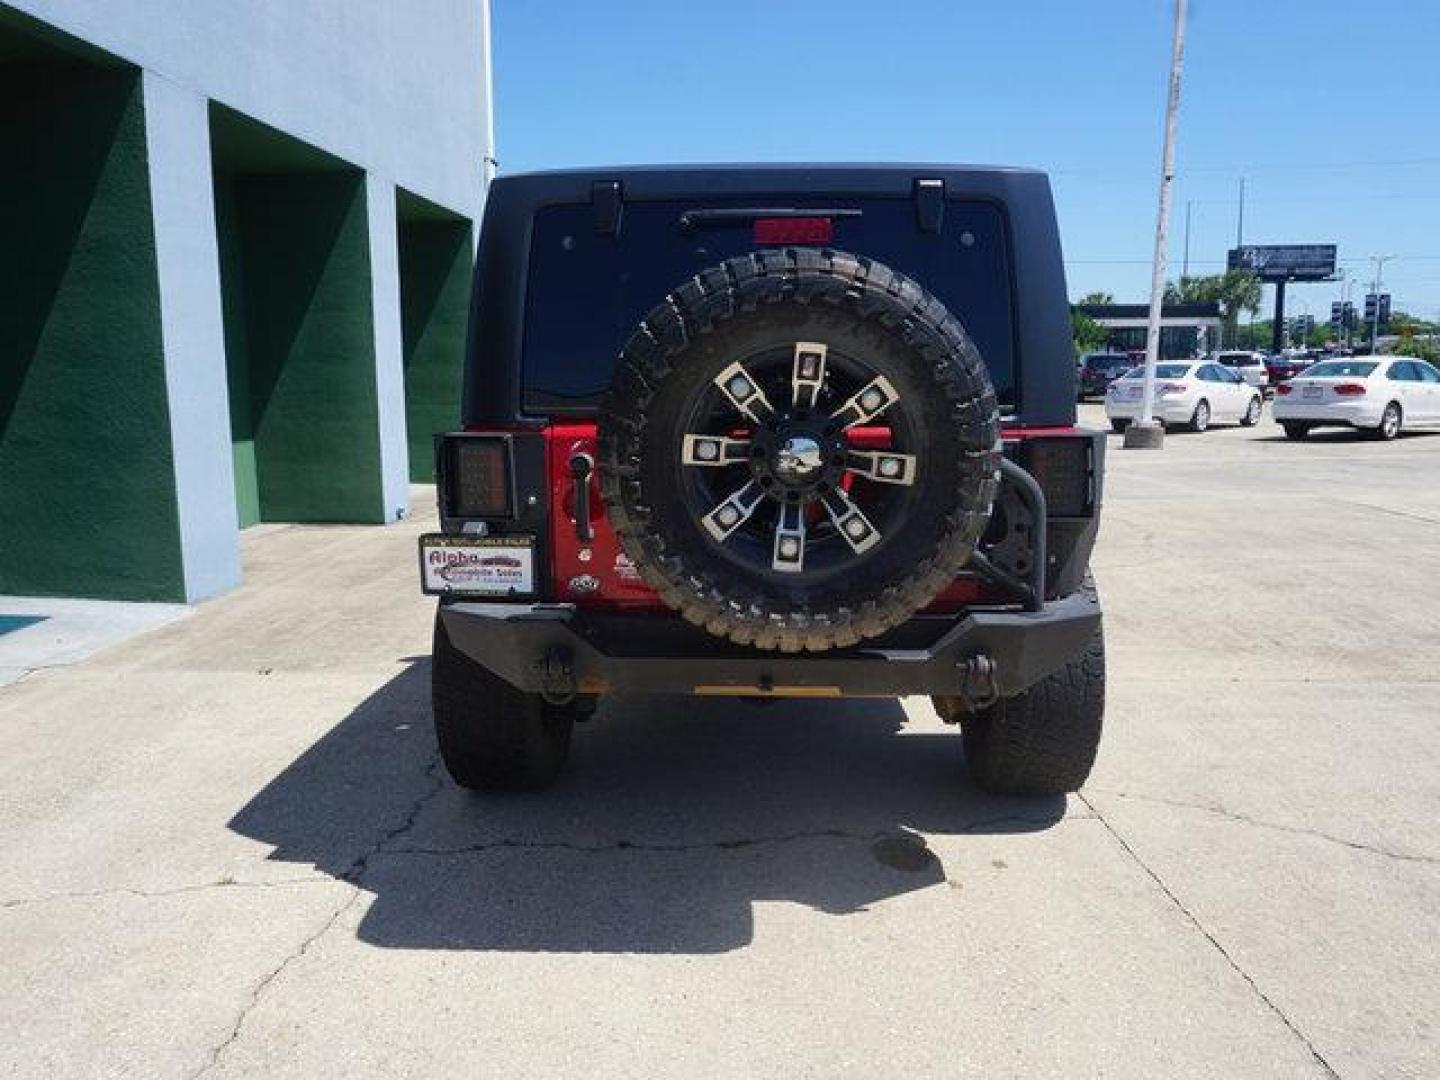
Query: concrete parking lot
226	846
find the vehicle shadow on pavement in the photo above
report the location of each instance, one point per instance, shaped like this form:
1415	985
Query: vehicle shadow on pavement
675	817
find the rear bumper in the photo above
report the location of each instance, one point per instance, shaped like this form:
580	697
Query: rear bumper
1170	410
1363	413
553	648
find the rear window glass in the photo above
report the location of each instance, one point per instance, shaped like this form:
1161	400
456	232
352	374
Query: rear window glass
1237	359
1162	371
1107	362
588	290
1332	369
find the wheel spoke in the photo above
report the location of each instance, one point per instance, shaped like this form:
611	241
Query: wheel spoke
882	466
850	521
744	393
867	403
713	451
733	512
788	555
807	374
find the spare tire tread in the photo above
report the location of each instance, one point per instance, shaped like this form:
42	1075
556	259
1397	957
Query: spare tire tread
869	290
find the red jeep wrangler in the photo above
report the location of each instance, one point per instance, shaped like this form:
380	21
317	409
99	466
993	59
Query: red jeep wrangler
769	431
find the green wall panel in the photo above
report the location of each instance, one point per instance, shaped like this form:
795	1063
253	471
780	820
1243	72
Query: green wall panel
87	488
435	262
237	368
295	261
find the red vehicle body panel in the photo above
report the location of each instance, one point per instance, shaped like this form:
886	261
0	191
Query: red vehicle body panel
598	575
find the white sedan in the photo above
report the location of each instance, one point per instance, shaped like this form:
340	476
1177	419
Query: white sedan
1374	394
1193	393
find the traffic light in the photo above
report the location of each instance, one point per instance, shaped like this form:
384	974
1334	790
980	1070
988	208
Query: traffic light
1337	316
1384	303
1349	314
1370	306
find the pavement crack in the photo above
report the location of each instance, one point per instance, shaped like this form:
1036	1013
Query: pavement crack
728	844
1407	514
266	981
1194	921
734	844
1296	830
155	894
354	875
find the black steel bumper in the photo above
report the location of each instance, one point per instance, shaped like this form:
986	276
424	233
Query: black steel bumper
557	650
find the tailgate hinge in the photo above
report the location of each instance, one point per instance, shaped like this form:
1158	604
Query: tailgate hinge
929	205
607	201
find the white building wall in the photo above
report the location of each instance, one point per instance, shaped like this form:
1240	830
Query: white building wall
192	327
396	87
389	347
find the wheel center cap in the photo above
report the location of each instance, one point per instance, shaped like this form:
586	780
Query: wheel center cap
798	458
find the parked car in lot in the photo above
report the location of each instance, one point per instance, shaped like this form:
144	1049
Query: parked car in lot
1280	368
1192	393
1099	370
1249	365
1374	394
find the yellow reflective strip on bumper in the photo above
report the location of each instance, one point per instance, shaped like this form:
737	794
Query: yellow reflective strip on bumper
774	691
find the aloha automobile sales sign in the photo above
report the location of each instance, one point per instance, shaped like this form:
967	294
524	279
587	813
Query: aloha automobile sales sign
477	565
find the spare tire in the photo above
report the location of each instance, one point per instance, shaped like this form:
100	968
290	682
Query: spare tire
799	449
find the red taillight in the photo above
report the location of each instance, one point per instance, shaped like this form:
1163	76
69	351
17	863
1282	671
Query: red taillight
797	230
1283	389
480	477
1350	389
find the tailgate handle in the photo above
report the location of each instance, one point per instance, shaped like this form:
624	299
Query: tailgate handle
581	466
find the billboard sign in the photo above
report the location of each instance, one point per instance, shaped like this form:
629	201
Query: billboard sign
1285	262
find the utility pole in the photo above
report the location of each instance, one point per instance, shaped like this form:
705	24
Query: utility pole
1240	217
1185	265
1379	261
1146	432
1348	282
488	163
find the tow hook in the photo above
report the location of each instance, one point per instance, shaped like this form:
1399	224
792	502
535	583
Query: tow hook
557	677
977	683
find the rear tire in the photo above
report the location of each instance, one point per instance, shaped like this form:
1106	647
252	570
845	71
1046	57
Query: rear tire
1200	420
1252	413
1119	426
1390	421
1295	431
492	736
1041	742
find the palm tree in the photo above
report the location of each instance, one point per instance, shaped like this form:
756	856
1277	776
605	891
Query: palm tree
1239	292
1236	291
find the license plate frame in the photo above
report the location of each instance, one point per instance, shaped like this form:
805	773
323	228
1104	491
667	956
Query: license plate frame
493	567
1312	391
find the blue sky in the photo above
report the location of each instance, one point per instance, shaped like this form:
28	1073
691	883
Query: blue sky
1331	110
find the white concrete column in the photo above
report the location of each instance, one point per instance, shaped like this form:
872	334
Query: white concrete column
182	197
389	345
